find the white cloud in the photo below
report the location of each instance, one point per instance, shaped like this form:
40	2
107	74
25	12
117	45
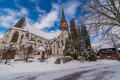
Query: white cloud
7	21
49	19
70	8
39	10
33	0
24	11
45	20
9	17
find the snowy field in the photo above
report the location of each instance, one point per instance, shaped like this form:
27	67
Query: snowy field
47	70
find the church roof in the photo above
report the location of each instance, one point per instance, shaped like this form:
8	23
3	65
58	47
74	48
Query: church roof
21	23
104	46
35	31
63	16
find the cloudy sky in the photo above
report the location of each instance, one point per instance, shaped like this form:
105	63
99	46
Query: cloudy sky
42	14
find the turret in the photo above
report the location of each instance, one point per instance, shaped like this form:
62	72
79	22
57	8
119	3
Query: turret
21	23
63	23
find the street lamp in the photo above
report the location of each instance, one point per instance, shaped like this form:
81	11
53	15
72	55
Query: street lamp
9	48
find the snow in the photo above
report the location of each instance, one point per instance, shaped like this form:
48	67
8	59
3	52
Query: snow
41	48
48	65
33	59
40	44
116	76
32	42
104	46
118	48
51	60
39	33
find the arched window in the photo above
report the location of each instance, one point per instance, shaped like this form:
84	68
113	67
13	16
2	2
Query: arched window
27	35
62	42
39	41
21	39
50	51
15	37
58	44
32	38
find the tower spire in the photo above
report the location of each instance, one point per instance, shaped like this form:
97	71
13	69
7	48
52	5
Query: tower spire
21	23
63	23
63	16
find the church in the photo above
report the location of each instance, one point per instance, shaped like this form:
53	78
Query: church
23	35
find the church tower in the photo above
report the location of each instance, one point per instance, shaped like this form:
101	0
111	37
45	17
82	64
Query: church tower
21	23
63	23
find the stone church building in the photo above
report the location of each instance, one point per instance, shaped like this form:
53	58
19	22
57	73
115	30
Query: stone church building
24	35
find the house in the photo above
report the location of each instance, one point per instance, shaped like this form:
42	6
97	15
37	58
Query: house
109	52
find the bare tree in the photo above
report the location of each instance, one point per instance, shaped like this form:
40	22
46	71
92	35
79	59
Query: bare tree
22	51
1	52
100	15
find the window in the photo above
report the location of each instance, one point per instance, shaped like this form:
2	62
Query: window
58	44
39	41
27	35
101	54
15	37
114	58
109	50
62	24
62	42
112	54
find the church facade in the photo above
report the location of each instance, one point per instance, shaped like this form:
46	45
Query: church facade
23	35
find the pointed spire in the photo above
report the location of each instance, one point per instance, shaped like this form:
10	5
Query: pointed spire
21	23
63	16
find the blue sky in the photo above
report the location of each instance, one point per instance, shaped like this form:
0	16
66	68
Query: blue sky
42	14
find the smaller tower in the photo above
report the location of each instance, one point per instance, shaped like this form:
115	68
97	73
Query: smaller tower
63	23
21	23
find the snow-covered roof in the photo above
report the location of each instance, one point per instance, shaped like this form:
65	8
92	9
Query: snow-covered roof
41	48
38	32
118	48
104	46
40	44
32	42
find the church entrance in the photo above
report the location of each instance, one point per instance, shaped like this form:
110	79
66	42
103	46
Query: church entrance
43	55
9	55
50	51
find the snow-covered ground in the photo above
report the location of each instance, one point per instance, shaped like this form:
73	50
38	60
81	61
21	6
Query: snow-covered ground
47	70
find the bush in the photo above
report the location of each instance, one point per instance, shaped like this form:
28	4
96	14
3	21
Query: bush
81	59
92	58
74	56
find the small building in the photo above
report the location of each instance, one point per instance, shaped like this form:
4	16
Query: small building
109	53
